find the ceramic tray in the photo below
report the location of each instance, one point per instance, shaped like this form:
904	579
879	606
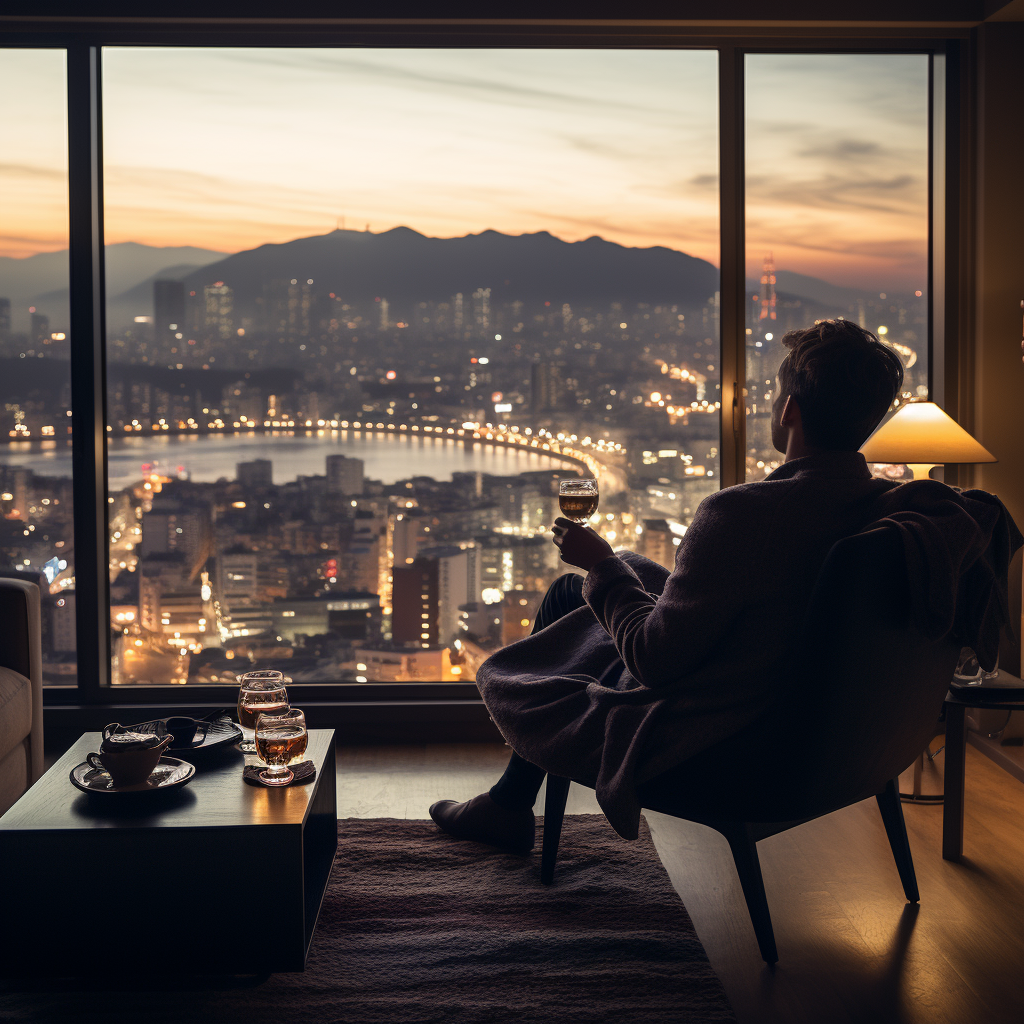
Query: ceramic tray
209	735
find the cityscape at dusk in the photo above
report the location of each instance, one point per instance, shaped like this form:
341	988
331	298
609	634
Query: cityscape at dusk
365	310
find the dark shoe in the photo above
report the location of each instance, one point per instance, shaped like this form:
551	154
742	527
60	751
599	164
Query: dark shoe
483	821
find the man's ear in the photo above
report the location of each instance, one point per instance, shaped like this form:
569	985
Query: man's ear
790	413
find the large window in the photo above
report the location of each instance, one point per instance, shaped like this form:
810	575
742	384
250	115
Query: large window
365	308
36	528
836	215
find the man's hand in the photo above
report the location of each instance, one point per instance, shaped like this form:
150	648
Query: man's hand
579	546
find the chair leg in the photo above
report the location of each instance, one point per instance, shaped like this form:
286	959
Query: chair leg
748	867
896	830
554	812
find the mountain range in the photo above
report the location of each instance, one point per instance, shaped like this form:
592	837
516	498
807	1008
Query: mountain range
406	267
131	267
401	265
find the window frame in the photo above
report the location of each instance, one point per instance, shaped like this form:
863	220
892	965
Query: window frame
949	53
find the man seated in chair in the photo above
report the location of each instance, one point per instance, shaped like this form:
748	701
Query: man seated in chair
632	670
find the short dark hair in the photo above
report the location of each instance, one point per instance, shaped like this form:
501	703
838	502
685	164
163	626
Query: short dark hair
843	379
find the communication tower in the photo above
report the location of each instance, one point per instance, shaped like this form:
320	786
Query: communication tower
768	289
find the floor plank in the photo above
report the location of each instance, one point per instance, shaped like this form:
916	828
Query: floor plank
852	949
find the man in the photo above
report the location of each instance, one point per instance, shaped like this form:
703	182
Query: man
633	670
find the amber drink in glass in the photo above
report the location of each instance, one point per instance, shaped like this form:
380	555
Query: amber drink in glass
280	739
578	499
260	693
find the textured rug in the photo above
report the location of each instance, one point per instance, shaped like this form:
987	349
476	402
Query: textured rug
417	927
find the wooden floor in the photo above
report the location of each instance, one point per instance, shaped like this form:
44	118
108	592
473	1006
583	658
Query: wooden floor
850	947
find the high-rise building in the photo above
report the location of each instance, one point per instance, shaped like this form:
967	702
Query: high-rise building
288	306
40	329
256	474
359	565
344	475
219	301
176	527
482	308
168	308
410	535
415	603
22	479
427	595
768	289
547	387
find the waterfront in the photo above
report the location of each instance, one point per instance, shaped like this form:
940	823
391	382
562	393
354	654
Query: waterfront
206	458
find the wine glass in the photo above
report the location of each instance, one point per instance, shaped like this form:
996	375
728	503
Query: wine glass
260	692
279	739
578	499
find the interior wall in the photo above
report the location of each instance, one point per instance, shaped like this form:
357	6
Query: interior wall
998	405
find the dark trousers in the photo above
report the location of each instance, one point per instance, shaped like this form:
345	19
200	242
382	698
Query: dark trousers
519	785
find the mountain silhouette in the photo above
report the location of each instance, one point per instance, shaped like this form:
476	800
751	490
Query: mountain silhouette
42	280
406	267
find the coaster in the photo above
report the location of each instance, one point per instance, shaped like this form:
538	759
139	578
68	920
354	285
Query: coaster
304	771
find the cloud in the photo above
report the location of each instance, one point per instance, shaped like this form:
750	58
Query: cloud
699	182
842	150
899	195
33	171
481	88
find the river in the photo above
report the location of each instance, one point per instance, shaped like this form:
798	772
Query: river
210	457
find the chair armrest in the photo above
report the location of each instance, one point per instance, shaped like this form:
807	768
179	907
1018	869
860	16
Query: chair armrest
21	649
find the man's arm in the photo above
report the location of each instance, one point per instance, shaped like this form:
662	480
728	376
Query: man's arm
661	639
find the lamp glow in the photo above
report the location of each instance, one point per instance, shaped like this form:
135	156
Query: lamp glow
920	435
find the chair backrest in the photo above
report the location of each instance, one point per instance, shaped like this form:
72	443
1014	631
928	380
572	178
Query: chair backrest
863	700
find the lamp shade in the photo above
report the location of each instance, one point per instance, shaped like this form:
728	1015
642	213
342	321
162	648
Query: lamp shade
920	432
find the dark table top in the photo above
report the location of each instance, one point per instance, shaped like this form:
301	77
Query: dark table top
216	797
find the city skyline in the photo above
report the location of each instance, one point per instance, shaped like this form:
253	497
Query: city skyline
231	149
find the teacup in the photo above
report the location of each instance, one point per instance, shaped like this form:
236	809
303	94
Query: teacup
130	766
182	730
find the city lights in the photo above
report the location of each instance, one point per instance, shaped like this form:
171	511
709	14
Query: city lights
352	478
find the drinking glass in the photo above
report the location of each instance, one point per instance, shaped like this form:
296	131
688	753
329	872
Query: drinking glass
260	692
578	499
279	739
967	668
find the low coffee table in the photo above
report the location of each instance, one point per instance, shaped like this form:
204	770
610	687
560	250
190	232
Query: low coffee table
218	876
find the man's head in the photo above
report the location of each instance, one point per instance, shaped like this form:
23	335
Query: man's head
841	379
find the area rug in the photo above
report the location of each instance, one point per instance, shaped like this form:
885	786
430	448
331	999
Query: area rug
417	927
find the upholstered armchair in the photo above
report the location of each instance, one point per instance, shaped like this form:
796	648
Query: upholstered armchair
21	689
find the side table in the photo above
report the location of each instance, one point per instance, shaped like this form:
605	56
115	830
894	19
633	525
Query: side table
217	877
956	760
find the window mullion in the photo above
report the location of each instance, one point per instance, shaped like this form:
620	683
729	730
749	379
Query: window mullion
733	262
88	367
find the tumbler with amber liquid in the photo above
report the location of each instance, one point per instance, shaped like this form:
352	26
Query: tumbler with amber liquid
280	739
578	499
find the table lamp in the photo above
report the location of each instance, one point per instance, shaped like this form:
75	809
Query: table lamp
921	436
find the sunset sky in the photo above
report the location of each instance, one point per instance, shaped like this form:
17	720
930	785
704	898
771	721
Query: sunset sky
227	149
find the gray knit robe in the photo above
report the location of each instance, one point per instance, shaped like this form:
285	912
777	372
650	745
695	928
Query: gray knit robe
657	667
